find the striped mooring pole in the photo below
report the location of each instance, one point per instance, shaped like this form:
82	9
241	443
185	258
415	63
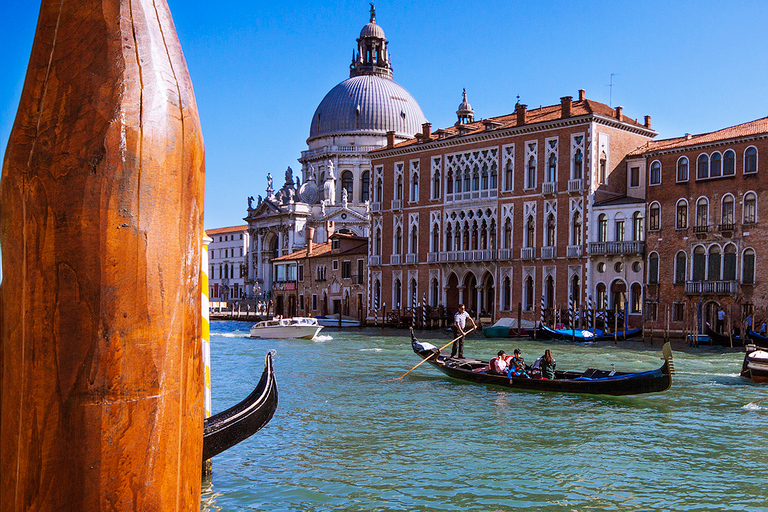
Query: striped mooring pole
206	330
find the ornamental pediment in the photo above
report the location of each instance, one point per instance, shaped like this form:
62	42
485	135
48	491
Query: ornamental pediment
344	214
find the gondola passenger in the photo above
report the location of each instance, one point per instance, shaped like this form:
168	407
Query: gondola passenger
499	363
548	365
517	367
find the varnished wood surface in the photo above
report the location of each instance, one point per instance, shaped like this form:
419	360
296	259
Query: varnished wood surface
101	206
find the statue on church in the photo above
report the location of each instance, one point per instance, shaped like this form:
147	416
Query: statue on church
250	202
269	185
288	178
260	200
329	187
344	197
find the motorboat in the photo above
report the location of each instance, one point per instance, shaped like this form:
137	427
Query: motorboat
755	366
285	328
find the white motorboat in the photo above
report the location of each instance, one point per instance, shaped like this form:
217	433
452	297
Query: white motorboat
333	321
284	328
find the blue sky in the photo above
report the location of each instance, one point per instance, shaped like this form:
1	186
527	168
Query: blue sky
260	69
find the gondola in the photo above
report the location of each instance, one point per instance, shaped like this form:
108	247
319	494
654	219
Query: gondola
591	381
543	332
755	366
227	428
757	339
622	335
723	340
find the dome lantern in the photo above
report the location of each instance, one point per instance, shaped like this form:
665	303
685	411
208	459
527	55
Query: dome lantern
372	56
465	113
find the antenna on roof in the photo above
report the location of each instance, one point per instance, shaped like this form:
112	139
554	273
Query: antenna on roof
518	101
610	90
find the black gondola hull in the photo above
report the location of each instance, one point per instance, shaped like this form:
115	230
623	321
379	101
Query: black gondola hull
227	428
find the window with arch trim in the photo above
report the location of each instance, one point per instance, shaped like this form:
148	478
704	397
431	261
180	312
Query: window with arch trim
654	217
530	177
748	267
702	214
699	263
750	160
347	183
729	263
529	293
508	175
682	169
653	268
715	165
578	165
365	185
750	208
702	167
729	163
726	212
681	219
655	174
602	228
506	294
713	267
638	231
681	262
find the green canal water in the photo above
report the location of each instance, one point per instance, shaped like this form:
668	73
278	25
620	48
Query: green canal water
343	439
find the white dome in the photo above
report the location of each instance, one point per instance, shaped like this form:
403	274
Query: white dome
367	103
372	30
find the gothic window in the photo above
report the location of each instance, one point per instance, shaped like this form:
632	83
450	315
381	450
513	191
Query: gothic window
484	178
414	187
748	267
494	178
379	190
492	235
681	221
682	169
529	232
654	217
399	187
467	181
466	237
681	260
655	175
550	241
531	174
750	160
433	292
398	241
483	236
508	234
365	183
699	263
576	291
448	238
436	186
506	294
457	187
397	293
552	168
576	229
475	237
414	240
377	246
637	297
713	273
529	293
729	163
702	167
602	228
508	176
750	208
578	165
347	181
435	238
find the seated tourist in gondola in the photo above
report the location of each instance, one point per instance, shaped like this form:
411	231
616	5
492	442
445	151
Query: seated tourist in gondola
517	367
547	365
498	364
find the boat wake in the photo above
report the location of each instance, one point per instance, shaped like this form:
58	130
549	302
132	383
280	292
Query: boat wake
754	406
322	338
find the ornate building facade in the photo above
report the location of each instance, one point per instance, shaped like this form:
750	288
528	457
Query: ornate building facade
333	191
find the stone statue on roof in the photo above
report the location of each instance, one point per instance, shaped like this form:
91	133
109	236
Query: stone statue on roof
250	202
329	187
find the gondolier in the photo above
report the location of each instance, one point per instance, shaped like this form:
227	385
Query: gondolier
459	324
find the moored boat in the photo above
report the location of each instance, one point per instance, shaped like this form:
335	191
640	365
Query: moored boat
590	381
227	428
758	339
286	328
755	366
545	333
723	340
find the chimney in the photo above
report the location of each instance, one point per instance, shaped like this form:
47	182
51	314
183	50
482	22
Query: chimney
426	132
390	139
618	112
582	94
521	110
688	136
648	122
329	228
310	240
565	106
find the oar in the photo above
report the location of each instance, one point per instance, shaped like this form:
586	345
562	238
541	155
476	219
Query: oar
426	358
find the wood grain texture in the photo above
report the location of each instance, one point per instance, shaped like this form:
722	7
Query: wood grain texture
101	209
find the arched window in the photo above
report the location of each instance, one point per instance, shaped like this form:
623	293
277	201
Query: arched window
578	165
529	293
347	183
397	291
377	246
750	160
750	208
576	229
466	181
399	187
433	291
655	175
413	298
653	269
475	237
602	228
414	240
531	174
681	220
550	242
398	241
449	183
702	214
654	217
729	263
620	229
414	187
436	185
638	230
576	291
509	175
448	238
435	238
484	236
552	168
715	165
365	185
494	177
637	298
508	234
748	267
729	163
465	238
681	262
457	237
379	190
702	167
475	179
699	263
713	267
682	169
492	236
726	212
458	182
601	297
506	294
484	177
530	232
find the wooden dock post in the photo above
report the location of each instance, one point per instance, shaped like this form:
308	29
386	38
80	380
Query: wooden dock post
101	209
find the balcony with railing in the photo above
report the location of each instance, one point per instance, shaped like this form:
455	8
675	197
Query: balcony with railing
376	207
726	226
614	248
374	261
411	258
505	254
548	252
471	195
549	187
575	185
527	253
701	228
432	257
711	287
329	150
397	204
468	256
574	251
395	259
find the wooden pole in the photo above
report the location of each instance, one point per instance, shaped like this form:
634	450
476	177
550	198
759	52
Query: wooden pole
430	356
616	324
101	209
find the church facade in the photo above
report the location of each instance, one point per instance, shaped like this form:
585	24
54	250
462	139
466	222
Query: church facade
332	192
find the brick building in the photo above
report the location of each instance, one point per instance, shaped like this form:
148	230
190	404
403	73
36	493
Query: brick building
497	212
705	201
323	279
